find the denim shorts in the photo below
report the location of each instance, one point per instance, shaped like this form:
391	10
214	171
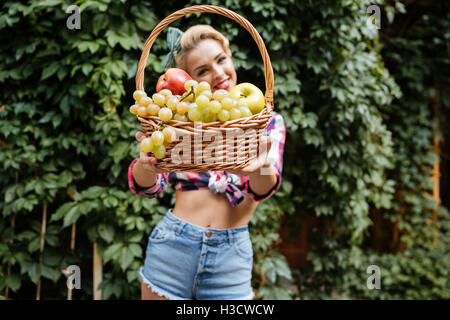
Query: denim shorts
186	261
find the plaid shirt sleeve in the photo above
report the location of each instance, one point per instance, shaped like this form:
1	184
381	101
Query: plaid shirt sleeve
152	191
277	131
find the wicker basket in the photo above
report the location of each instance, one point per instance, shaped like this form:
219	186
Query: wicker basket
228	154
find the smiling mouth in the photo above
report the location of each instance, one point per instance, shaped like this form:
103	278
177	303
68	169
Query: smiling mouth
225	84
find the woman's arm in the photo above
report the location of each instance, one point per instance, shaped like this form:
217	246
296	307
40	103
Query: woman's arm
265	172
263	180
138	182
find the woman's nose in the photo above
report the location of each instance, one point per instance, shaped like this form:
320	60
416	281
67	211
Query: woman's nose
218	72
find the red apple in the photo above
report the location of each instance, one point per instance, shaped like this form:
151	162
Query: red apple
173	80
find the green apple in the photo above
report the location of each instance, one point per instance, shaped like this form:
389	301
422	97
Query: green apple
249	93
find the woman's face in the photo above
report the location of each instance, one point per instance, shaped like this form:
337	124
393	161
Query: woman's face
208	62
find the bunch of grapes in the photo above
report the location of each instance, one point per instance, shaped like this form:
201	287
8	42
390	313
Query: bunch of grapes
158	141
198	103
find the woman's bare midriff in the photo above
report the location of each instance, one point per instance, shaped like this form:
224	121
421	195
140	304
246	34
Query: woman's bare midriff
204	208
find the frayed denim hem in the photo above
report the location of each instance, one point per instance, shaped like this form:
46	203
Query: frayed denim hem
157	290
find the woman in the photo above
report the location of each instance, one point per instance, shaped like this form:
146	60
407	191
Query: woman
201	249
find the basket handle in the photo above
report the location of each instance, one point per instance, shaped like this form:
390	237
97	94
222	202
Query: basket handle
268	71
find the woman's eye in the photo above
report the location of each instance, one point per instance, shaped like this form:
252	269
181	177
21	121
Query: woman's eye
201	72
222	59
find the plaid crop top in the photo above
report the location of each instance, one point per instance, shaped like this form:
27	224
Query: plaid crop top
222	182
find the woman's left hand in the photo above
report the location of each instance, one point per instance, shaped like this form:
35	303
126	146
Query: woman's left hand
261	161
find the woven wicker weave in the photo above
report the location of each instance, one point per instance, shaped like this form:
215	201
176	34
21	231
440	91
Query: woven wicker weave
229	153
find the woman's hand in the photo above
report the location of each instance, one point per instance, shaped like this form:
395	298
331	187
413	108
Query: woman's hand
256	166
147	162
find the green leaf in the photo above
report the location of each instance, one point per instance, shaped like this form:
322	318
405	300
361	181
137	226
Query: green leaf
112	252
126	258
35	272
106	232
135	249
93	192
62	211
34	245
50	70
65	106
282	268
135	237
119	150
86	68
14	282
48	272
26	235
49	3
100	22
10	194
71	216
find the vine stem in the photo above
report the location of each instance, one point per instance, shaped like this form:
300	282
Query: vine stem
436	171
43	229
98	272
72	248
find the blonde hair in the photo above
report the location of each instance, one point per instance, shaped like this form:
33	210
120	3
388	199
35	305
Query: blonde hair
193	36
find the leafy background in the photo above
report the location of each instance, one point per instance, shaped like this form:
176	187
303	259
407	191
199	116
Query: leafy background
359	105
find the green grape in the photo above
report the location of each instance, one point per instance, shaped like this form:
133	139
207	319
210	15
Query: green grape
242	103
205	111
218	95
223	115
157	138
180	117
190	83
142	112
235	113
146	145
194	114
190	98
145	101
207	93
215	106
172	103
138	94
169	134
166	92
159	99
203	86
153	109
134	109
245	112
182	108
210	117
159	151
202	101
227	103
165	114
